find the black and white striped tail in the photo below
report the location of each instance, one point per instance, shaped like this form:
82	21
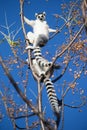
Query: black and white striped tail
55	103
38	56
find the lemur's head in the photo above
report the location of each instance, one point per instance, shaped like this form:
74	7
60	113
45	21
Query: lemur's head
40	16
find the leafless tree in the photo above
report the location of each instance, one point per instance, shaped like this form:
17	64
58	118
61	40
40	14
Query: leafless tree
70	58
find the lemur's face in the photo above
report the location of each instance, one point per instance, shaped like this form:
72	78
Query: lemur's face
41	16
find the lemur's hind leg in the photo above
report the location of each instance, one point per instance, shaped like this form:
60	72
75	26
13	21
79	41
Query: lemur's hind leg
37	69
34	40
40	40
37	40
31	39
30	36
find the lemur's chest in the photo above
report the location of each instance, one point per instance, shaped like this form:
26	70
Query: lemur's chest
41	26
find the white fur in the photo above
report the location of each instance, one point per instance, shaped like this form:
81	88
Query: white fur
30	37
37	69
41	30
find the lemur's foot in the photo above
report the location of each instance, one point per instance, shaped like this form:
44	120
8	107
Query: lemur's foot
42	73
27	61
48	64
29	47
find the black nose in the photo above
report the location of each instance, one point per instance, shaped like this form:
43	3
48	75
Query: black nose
41	18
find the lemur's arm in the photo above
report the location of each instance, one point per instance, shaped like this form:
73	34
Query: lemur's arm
52	30
29	22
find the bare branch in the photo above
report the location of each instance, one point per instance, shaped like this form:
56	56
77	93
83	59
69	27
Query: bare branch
35	124
80	105
59	30
72	41
84	13
15	85
25	36
66	48
40	103
63	72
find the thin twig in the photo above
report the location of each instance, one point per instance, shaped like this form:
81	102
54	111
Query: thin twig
68	88
35	124
40	103
23	116
5	101
63	72
26	106
71	9
58	31
62	112
80	105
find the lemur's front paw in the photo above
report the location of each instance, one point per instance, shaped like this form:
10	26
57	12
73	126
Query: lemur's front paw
29	47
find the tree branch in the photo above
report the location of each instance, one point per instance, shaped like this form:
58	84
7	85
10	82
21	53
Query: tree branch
80	105
58	31
25	99
15	85
63	72
40	103
66	48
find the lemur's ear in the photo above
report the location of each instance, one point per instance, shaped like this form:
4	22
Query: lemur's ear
36	14
44	13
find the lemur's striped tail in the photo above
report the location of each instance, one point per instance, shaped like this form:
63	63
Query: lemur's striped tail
38	56
55	103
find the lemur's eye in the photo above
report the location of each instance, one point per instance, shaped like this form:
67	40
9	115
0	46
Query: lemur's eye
38	16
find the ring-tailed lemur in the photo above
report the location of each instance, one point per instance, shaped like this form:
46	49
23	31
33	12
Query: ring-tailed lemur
39	37
40	69
41	30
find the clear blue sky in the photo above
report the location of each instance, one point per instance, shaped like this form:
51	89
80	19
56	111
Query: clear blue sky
74	120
